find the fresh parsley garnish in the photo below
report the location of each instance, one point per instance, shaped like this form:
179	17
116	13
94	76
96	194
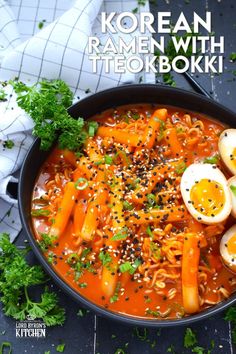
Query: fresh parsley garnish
47	103
105	258
189	338
8	144
232	56
231	316
3	95
46	241
16	279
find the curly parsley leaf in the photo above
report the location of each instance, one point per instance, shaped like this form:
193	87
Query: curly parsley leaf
47	103
16	279
231	316
189	338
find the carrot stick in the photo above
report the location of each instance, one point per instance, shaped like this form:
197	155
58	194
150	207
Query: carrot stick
169	214
153	127
64	210
190	262
120	136
158	174
173	142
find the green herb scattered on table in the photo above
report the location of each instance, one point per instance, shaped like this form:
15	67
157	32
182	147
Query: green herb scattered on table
189	338
41	24
3	95
16	279
232	56
231	317
6	347
60	348
8	144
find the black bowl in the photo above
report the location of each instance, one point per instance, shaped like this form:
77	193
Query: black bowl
86	108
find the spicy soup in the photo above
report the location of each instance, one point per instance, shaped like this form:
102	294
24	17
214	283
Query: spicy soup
113	221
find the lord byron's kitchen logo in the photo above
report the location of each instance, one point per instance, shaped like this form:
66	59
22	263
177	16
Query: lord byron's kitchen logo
30	328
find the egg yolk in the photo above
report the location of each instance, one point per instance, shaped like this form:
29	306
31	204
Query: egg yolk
233	157
207	197
231	245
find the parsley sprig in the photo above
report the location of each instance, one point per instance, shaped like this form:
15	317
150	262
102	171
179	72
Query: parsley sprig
231	317
16	279
47	103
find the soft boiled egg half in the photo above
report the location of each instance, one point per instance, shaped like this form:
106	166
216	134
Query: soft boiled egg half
232	187
227	149
205	193
228	248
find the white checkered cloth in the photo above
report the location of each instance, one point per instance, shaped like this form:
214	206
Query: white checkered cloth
58	50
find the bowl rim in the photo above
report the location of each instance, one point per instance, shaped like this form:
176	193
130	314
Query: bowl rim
120	317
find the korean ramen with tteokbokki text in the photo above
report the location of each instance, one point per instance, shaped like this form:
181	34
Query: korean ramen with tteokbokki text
142	221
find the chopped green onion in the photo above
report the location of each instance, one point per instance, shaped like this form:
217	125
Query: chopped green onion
128	267
92	128
125	267
233	189
40	212
81	183
60	348
83	285
180	168
212	159
122	235
108	160
5	346
127	205
149	231
114	298
135	266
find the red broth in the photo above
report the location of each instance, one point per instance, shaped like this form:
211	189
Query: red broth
142	263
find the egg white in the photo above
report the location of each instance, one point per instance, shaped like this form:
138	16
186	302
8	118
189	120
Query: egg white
195	173
232	182
226	145
228	259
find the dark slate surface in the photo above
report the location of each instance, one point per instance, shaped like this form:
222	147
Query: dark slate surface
93	334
